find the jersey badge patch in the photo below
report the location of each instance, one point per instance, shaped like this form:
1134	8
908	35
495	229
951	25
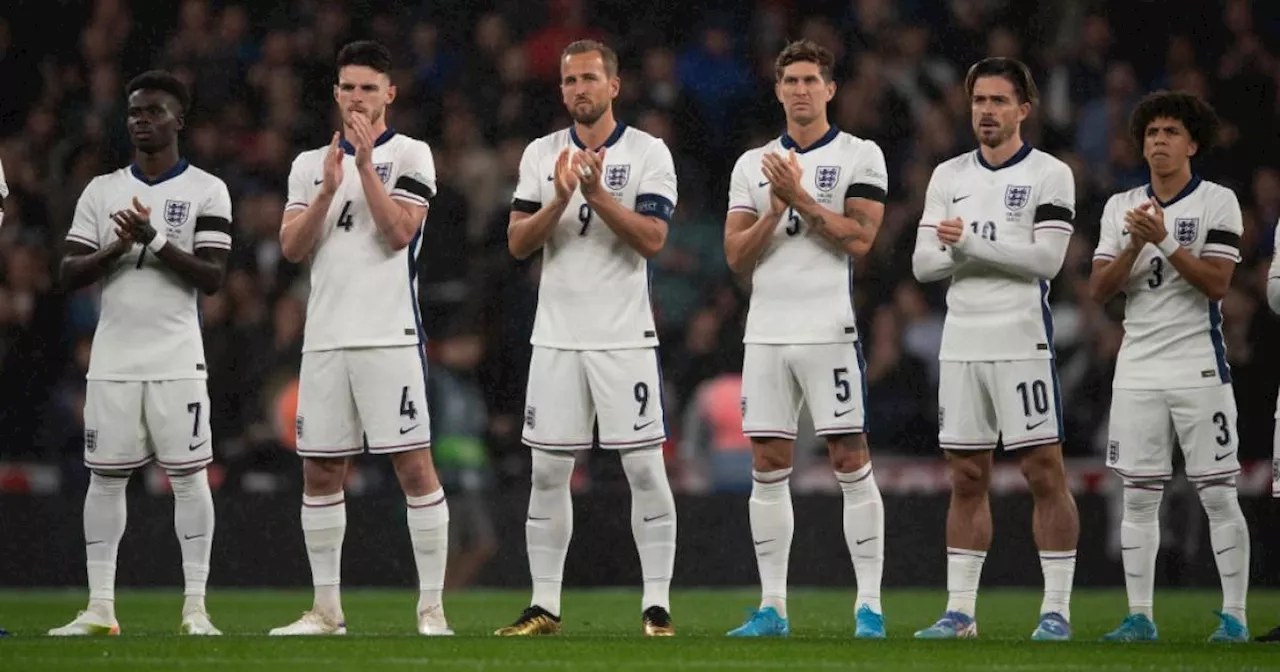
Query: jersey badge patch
827	177
616	177
1016	197
383	170
176	212
1185	230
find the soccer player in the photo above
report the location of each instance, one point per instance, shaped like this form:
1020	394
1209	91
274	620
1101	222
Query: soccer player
1273	298
157	233
997	221
1172	247
4	193
802	208
597	199
356	210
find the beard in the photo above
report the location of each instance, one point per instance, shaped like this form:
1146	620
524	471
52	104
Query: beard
374	116
591	116
995	137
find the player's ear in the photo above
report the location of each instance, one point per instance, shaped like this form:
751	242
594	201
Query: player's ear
181	121
1024	111
1193	147
615	85
831	89
391	93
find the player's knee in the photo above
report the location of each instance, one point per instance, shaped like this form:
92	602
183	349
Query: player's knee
551	471
1219	498
323	476
114	474
848	452
970	476
1044	472
770	454
645	468
1142	501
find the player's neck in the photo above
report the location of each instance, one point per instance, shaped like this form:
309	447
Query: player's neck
596	134
153	165
1166	187
1000	154
807	134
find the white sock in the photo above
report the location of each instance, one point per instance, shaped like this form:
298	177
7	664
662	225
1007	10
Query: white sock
324	524
428	518
772	526
1059	569
193	522
1140	543
1229	535
549	527
105	514
864	532
653	523
964	571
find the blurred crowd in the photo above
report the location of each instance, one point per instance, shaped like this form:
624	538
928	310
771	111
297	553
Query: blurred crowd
478	82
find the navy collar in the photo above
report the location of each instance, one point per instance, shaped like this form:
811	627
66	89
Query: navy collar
1014	160
1186	191
608	142
178	168
789	142
382	139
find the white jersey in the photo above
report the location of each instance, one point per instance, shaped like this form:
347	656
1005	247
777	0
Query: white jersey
4	193
149	326
363	293
1172	331
594	290
802	287
992	314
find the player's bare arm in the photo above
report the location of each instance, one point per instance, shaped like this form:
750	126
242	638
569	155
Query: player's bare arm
645	234
1212	276
397	221
204	270
746	236
1273	278
300	230
853	231
1039	259
82	265
1108	277
527	233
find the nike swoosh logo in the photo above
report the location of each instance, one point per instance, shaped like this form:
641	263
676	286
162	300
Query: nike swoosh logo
319	182
650	519
91	543
1130	548
197	445
537	518
1033	426
860	542
763	184
636	428
551	178
189	537
1219	458
1224	550
845	412
763	542
957	199
406	430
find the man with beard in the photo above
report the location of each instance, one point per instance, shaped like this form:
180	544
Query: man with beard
997	221
596	198
356	209
157	233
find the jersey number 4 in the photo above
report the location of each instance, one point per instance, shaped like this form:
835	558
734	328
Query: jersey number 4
345	219
407	408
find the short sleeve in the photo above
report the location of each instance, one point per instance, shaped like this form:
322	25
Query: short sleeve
416	183
870	176
740	188
4	186
213	221
302	177
657	193
528	194
1056	208
1109	232
84	224
935	199
1224	228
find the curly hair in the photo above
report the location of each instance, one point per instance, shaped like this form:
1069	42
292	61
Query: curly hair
160	80
1196	115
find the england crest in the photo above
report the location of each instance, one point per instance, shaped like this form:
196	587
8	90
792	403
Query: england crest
827	177
90	440
1185	230
383	170
1016	197
616	177
176	212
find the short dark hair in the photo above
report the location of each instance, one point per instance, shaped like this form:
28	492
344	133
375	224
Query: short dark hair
367	53
1193	111
608	55
160	80
1011	69
804	51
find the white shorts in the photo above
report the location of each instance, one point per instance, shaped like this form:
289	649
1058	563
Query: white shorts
355	399
1145	423
1275	461
777	379
572	391
129	423
1016	404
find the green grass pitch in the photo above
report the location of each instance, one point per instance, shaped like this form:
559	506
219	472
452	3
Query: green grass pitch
602	632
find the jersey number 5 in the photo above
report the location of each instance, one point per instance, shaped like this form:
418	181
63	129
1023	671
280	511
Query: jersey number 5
346	220
793	222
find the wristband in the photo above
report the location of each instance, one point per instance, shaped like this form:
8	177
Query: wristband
1168	246
157	243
